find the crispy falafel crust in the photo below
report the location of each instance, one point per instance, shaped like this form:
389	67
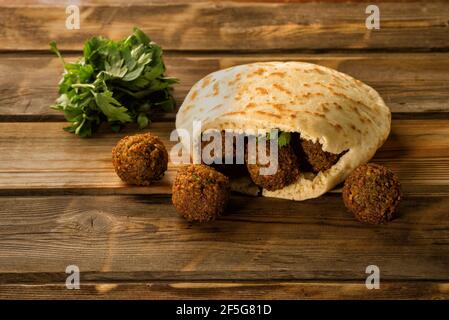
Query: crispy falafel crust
372	193
140	159
287	171
316	157
200	193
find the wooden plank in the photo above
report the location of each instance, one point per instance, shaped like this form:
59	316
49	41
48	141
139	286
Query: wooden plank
207	25
225	290
40	157
140	238
412	82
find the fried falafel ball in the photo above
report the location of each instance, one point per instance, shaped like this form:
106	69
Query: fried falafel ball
372	193
316	158
140	159
287	171
200	193
230	170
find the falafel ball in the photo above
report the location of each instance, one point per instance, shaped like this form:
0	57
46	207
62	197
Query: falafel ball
230	170
140	159
372	193
317	159
286	173
200	193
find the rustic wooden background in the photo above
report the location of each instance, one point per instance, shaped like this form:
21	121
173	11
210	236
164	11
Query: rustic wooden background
61	202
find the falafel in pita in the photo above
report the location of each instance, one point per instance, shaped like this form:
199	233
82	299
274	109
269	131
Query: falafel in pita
344	117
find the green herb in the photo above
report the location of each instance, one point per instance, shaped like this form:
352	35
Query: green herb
115	82
283	138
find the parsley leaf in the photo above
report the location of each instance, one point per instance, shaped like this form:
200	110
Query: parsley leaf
283	138
115	82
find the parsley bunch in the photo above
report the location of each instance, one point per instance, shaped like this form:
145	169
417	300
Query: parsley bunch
114	82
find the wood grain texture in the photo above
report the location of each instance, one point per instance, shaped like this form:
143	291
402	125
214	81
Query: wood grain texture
41	158
208	25
409	83
61	202
229	290
141	238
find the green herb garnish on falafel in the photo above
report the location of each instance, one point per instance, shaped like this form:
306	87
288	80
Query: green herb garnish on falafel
283	138
115	82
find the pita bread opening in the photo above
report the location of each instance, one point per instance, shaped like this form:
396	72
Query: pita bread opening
295	155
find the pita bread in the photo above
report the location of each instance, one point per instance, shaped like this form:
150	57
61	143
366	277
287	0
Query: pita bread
322	104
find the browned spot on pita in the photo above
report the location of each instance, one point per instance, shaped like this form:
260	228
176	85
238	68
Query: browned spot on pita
190	106
325	109
306	95
319	114
318	70
270	114
306	85
281	88
360	103
237	98
193	95
261	90
366	119
339	107
206	81
338	94
356	110
250	105
339	85
259	71
225	97
216	89
279	106
310	94
237	78
358	82
331	89
337	126
279	74
234	113
348	98
218	106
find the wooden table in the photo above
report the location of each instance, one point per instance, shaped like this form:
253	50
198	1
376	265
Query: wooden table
62	204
